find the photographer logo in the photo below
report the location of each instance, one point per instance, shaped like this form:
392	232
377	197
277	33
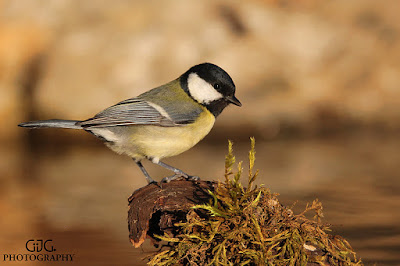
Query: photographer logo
39	250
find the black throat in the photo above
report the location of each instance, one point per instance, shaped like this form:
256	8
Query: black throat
216	107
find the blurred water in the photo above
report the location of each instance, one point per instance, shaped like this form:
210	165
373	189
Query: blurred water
77	194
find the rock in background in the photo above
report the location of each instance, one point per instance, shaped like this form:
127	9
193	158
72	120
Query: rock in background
309	65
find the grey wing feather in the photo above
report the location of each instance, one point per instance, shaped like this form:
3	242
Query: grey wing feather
134	112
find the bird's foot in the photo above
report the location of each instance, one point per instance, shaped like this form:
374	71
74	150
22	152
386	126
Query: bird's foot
179	176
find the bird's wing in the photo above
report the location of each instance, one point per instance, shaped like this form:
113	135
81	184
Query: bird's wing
137	111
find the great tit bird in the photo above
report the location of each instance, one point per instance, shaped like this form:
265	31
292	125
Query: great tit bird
161	122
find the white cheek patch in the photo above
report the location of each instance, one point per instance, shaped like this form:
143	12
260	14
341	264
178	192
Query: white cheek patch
201	90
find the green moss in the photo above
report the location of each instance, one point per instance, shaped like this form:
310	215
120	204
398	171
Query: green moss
248	226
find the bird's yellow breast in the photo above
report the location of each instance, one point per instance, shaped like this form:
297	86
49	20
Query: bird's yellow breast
148	141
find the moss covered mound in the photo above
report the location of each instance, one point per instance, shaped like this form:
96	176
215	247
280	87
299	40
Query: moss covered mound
248	226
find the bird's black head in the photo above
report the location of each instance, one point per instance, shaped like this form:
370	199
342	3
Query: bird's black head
210	86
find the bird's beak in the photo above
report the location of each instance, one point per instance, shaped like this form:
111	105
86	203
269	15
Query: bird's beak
234	100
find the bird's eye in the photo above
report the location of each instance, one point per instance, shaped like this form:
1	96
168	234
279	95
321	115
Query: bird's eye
216	86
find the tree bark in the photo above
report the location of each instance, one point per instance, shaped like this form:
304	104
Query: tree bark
155	208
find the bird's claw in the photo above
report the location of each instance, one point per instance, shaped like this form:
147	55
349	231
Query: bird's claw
178	176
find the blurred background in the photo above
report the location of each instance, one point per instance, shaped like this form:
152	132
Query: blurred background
320	87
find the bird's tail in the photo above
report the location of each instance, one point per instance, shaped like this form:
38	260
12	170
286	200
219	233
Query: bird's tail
58	123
